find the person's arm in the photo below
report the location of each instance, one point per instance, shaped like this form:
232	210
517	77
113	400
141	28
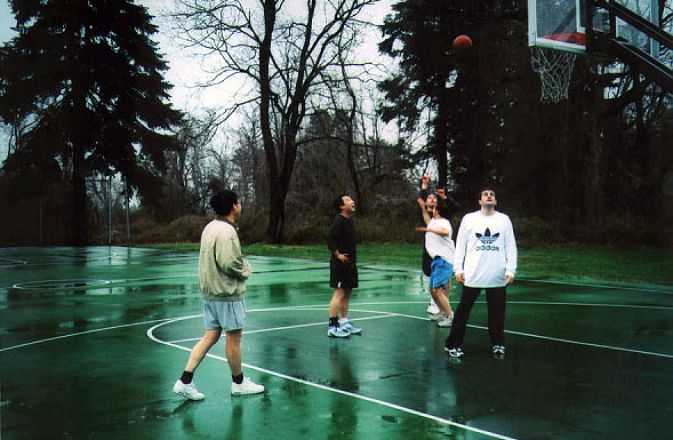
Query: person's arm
461	246
511	252
434	229
424	212
423	192
229	257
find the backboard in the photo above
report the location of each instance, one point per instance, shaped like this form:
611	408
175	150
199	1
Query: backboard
561	24
557	24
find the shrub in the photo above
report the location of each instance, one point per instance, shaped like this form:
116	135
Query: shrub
625	230
533	231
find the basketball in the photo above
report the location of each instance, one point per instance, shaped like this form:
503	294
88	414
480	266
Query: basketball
462	42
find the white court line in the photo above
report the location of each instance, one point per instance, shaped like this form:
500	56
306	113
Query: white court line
533	303
88	332
150	334
291	327
566	341
598	286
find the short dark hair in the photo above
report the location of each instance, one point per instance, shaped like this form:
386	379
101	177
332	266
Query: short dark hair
339	202
443	208
486	188
223	202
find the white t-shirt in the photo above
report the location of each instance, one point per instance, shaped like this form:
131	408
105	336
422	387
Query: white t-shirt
485	249
440	245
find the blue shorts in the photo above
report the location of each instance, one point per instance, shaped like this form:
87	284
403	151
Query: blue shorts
441	272
225	315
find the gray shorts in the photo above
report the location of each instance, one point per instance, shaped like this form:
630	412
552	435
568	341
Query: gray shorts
225	315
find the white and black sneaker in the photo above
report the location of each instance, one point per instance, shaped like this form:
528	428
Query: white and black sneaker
455	353
499	351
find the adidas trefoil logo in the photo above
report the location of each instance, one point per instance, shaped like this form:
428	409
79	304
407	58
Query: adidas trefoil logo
487	240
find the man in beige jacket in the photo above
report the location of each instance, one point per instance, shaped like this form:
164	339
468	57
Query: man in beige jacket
222	275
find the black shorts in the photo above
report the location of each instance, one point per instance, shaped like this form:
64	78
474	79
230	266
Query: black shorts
427	262
343	276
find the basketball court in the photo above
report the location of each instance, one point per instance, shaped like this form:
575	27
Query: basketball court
93	340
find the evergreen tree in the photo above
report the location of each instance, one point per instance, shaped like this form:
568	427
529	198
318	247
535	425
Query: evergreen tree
88	79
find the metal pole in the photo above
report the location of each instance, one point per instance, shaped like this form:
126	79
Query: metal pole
128	221
654	18
109	212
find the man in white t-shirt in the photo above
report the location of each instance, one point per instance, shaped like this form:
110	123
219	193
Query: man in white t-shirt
439	246
485	258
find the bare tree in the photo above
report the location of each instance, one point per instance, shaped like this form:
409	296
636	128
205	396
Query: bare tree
279	48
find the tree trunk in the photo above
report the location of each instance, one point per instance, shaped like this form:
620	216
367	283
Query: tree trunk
592	167
441	141
276	228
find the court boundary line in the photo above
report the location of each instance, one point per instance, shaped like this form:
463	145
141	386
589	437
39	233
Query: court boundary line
566	341
290	327
414	412
421	318
85	332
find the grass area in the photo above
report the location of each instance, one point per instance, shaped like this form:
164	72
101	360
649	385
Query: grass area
644	266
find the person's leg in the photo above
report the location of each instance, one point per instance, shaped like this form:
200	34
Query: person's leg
461	316
185	386
496	298
233	351
439	296
335	304
335	309
344	322
345	303
240	385
210	338
448	297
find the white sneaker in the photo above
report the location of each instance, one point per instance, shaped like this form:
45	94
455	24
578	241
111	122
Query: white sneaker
246	387
445	321
337	332
499	351
436	316
350	328
432	309
187	390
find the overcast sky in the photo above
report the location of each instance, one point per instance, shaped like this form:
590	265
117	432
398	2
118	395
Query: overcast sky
185	69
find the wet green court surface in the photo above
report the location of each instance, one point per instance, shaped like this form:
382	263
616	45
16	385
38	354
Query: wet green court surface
93	339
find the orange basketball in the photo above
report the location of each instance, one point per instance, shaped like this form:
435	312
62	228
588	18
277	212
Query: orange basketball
462	42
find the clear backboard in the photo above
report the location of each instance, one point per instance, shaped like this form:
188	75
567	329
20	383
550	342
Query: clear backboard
561	24
557	33
557	24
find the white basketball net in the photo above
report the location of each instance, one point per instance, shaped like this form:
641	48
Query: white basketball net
555	68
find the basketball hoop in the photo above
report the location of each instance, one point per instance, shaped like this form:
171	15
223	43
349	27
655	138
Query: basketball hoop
555	68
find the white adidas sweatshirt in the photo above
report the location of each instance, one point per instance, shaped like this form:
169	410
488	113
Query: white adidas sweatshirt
485	249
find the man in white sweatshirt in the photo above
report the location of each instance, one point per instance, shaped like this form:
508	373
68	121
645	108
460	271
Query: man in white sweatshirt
485	258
